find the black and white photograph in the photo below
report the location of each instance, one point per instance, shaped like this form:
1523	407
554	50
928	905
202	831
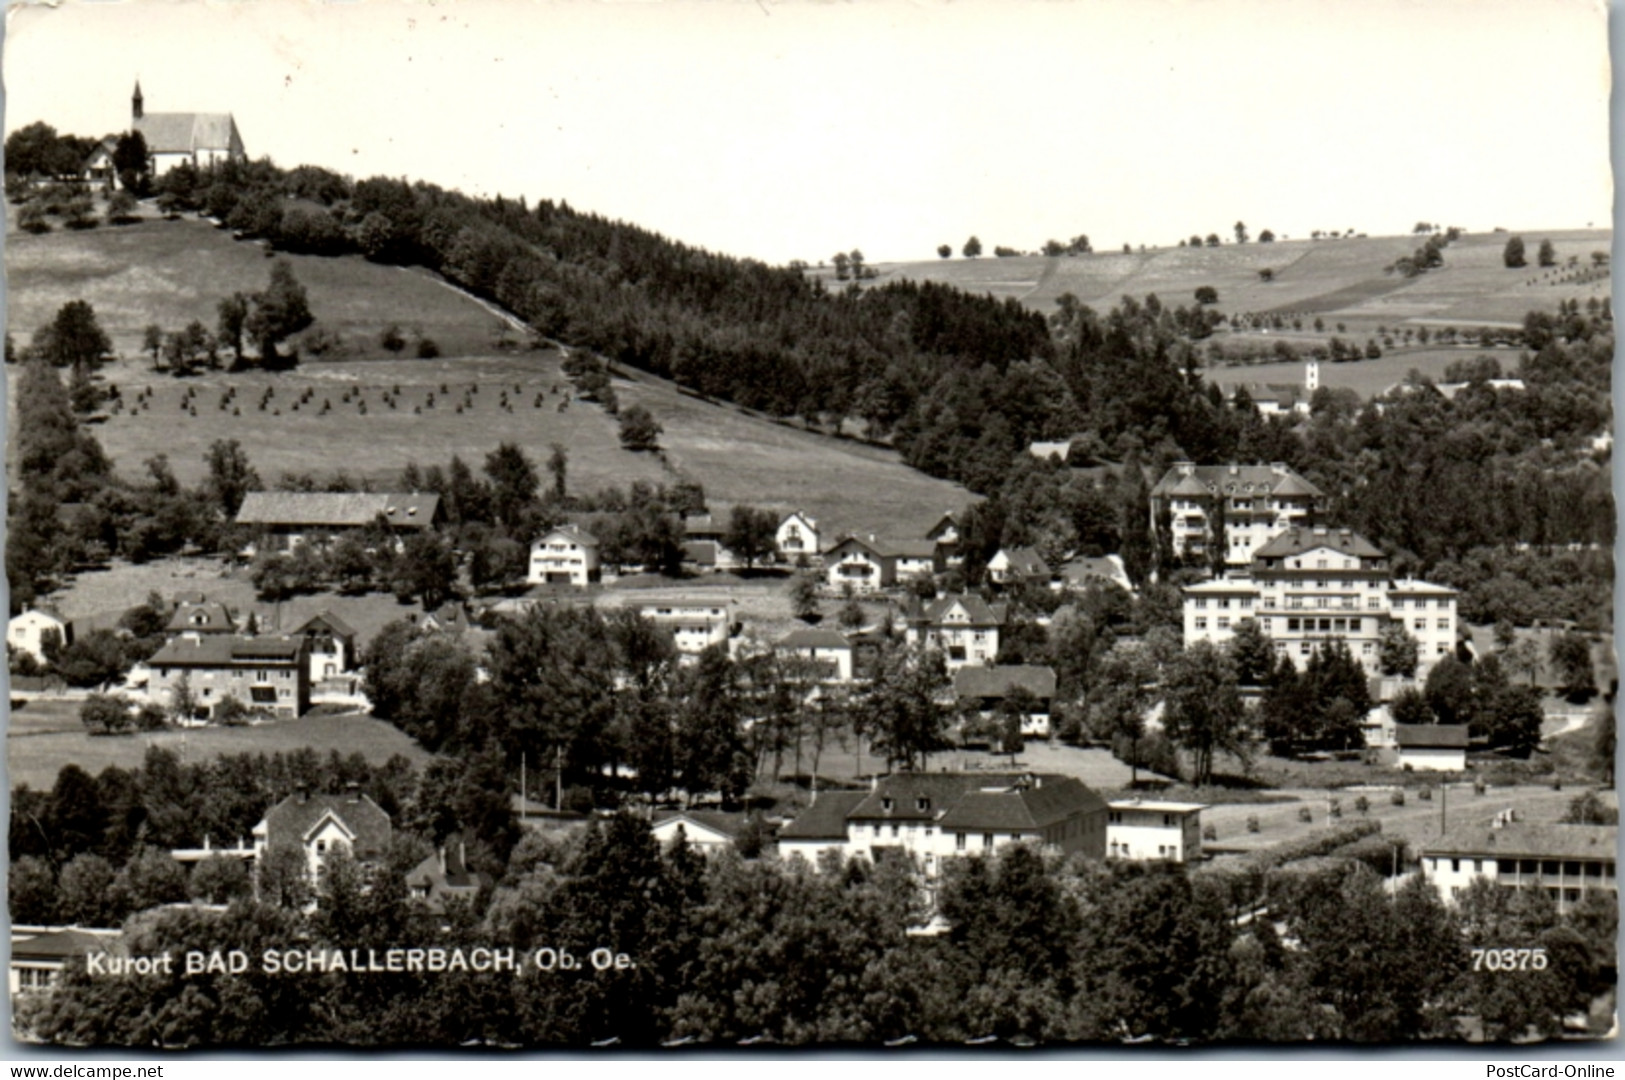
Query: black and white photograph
777	526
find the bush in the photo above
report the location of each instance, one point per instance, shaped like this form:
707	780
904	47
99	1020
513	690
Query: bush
1335	809
1252	822
1210	831
1305	814
1398	797
392	340
1426	794
1478	785
1384	854
1363	805
105	714
428	348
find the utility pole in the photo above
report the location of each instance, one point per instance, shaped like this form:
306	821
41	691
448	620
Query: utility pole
1444	800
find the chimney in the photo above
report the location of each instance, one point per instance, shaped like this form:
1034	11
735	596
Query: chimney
303	793
352	792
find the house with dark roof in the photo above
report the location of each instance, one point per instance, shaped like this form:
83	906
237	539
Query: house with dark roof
1018	566
200	139
330	643
702	543
704	830
963	627
1440	747
986	689
820	827
1083	571
931	817
196	614
945	533
268	673
1567	861
320	824
1254	502
444	876
868	563
39	955
284	520
828	651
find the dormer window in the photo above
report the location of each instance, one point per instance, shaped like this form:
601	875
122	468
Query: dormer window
922	804
885	804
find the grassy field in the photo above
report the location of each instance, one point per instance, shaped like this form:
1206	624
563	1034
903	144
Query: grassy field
172	272
1418	821
1337	279
44	735
1367	377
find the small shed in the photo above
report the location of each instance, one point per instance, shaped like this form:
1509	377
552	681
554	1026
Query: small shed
1436	747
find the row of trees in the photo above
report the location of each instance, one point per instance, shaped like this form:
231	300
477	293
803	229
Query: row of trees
726	950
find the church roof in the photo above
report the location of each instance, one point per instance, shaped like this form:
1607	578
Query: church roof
186	133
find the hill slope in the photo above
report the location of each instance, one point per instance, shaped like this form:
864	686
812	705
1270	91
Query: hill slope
172	272
1341	280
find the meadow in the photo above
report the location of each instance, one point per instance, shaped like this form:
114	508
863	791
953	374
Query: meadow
45	734
1340	280
1365	377
170	273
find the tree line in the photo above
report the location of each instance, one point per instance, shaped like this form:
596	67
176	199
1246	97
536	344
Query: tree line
729	949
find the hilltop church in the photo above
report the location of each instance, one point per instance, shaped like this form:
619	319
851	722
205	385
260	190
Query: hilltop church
203	139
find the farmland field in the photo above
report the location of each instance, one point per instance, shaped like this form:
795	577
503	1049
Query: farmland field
1340	279
44	735
172	272
1366	377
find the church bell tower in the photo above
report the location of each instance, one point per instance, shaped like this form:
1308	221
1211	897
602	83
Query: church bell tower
135	102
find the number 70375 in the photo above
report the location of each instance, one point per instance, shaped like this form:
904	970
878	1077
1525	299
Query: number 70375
1509	959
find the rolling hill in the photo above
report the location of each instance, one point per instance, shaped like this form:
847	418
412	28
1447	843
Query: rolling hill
1339	280
170	273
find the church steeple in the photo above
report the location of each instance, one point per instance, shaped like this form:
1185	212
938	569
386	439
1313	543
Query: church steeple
135	101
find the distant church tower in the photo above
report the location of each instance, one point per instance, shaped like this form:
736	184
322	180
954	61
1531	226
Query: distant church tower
1311	376
135	102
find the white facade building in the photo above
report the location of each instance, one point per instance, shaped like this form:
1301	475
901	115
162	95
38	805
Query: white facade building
27	632
1148	830
566	556
797	537
1259	502
1568	861
695	624
1313	586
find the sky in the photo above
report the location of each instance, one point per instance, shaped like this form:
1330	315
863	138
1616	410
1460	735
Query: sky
792	130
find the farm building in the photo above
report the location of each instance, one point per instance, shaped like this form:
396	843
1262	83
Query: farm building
285	520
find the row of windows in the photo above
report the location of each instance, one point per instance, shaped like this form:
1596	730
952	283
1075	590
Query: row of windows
1421	605
1547	867
262	675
